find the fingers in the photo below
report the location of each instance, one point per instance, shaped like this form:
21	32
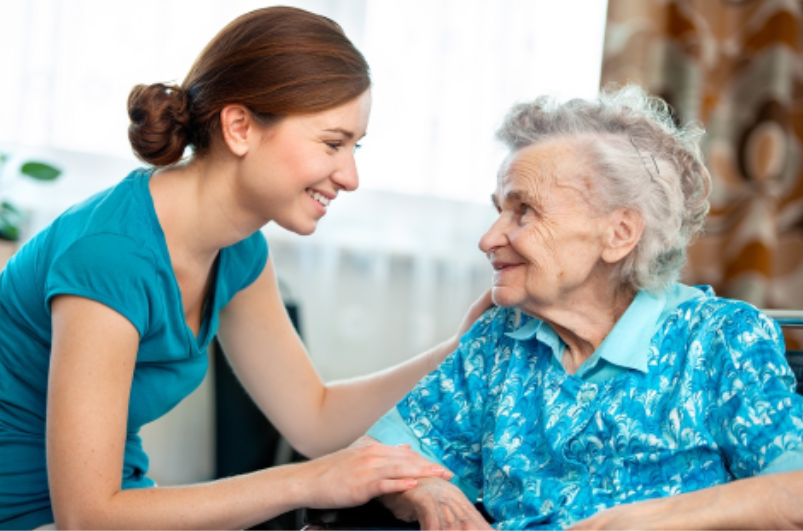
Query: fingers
440	505
392	486
486	301
448	516
482	304
475	311
400	461
364	472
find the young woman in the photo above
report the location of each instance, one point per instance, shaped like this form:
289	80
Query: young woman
105	316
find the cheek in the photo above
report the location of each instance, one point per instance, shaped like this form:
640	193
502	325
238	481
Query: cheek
535	244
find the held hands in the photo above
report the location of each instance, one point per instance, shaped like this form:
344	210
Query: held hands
436	504
359	473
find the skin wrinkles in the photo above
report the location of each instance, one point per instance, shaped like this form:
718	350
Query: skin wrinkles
553	254
558	247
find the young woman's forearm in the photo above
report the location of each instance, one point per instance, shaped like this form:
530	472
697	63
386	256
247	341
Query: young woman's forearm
235	503
343	479
350	407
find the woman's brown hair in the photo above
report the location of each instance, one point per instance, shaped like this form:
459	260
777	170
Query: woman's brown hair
276	61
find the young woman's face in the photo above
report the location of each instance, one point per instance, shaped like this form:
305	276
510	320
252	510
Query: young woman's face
302	163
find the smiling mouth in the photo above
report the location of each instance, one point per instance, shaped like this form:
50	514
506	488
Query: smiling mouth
318	197
501	266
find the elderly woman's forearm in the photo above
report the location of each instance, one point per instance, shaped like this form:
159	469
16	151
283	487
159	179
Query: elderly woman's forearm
762	502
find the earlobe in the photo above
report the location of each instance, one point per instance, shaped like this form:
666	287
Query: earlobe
623	234
236	126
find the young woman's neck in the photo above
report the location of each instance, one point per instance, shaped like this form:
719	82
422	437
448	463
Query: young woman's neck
197	208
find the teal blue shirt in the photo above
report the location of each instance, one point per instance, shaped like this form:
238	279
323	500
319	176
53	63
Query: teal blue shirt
687	391
109	248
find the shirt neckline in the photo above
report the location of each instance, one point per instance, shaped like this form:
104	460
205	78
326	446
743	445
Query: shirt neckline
628	344
201	341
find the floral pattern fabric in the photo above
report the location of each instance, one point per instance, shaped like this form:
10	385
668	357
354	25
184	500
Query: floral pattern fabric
548	449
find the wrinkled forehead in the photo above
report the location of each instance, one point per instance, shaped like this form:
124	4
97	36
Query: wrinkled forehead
538	167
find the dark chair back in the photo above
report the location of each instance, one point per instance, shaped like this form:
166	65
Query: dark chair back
791	319
795	359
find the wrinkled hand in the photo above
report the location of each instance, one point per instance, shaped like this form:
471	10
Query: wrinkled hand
649	514
359	473
436	504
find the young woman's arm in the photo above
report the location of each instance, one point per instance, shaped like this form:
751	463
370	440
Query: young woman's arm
92	365
271	362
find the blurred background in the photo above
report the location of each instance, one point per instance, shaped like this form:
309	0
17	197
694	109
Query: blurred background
393	267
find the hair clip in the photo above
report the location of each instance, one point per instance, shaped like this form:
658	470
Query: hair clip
652	177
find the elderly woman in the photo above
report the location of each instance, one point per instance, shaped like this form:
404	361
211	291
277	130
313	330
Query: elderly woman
601	392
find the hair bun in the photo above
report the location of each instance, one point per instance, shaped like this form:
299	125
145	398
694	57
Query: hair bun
160	123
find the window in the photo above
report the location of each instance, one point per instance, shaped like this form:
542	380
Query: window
445	72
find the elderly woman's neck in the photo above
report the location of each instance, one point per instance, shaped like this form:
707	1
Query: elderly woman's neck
583	324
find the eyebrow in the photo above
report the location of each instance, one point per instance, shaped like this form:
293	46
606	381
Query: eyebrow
524	197
345	132
516	195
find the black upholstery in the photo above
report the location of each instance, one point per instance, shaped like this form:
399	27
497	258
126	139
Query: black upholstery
372	515
795	359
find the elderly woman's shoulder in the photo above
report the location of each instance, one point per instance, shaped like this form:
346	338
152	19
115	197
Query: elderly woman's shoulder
727	319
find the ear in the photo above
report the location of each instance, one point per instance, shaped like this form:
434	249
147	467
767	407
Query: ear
237	126
622	234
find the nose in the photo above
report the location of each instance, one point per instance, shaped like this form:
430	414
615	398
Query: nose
345	177
495	237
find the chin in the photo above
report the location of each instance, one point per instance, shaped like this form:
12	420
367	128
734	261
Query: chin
503	297
300	229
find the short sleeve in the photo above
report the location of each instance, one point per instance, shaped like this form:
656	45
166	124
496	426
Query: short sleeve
245	262
446	409
756	417
111	269
392	430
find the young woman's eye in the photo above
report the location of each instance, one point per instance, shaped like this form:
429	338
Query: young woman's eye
357	146
334	145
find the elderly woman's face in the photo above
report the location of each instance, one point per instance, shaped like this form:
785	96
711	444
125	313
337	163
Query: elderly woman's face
547	242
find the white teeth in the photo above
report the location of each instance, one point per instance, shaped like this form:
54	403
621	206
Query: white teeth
319	198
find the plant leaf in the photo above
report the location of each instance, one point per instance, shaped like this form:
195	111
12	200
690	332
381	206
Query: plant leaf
40	171
9	226
6	206
11	219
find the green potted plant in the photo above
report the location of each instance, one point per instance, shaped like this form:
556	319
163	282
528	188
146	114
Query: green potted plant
12	217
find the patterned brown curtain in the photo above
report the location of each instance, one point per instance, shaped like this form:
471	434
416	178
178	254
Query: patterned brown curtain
737	68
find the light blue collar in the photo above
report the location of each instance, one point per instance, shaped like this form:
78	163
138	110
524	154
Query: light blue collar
628	343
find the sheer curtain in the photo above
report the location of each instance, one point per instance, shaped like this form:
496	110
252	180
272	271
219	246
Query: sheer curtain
444	71
393	267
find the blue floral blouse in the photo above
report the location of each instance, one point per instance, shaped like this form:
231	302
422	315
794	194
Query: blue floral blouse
687	391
